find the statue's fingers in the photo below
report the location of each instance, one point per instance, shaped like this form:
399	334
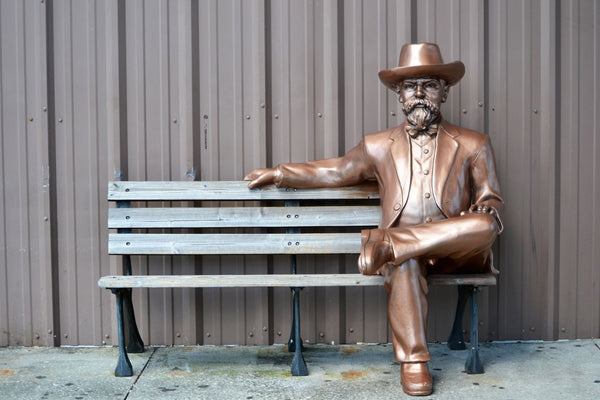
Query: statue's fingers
257	182
263	178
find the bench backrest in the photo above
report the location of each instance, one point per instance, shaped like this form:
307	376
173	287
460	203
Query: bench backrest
281	212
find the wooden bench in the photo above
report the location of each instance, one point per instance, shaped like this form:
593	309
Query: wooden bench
140	231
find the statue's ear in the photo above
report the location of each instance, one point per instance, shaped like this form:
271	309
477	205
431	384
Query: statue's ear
398	93
445	92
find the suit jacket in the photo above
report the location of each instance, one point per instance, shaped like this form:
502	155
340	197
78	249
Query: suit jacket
464	171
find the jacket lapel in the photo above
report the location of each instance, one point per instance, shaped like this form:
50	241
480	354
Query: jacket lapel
445	156
401	157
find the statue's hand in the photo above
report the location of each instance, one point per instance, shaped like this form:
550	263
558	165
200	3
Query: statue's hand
261	177
485	209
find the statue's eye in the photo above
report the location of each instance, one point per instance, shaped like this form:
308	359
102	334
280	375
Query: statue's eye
409	86
432	85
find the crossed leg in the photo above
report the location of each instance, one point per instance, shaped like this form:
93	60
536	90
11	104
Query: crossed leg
403	256
459	240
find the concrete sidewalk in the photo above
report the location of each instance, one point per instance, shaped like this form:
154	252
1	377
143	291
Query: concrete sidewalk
544	370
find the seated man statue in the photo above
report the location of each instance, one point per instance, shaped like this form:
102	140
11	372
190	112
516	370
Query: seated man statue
439	193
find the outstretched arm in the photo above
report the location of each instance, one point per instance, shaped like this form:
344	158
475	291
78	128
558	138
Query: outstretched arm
352	168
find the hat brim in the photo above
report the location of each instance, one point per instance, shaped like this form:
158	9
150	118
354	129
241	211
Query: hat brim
451	73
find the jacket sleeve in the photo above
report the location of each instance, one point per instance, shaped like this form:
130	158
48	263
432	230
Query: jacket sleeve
485	188
351	169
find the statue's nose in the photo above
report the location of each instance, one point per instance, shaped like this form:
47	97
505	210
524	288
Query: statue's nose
420	93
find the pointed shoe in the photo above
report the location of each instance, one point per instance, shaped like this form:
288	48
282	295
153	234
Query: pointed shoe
375	251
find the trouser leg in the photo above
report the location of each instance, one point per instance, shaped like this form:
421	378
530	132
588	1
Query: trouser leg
406	285
458	239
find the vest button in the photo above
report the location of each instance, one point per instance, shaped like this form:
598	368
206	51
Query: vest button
428	219
396	206
427	195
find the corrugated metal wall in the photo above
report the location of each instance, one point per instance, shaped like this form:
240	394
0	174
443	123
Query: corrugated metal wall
92	91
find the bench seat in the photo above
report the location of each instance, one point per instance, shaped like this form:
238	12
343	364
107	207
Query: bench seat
277	280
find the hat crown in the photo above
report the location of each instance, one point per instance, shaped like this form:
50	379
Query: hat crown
419	54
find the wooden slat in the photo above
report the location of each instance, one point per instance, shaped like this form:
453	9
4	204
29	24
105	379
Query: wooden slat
233	217
229	190
469	279
269	280
247	243
278	280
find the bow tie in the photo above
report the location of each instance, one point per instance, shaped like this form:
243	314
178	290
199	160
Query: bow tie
414	132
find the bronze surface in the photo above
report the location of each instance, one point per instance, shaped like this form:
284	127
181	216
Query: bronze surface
458	236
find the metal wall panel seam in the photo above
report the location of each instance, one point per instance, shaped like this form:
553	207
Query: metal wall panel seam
65	170
4	321
569	156
184	301
587	272
550	153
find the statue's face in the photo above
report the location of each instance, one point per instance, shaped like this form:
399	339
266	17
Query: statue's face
421	99
426	88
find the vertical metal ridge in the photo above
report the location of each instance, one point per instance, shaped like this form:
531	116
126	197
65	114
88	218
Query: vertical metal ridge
268	73
413	18
341	76
558	166
53	218
486	67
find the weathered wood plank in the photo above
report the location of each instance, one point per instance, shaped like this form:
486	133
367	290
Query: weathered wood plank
229	190
269	280
233	217
470	279
243	243
277	280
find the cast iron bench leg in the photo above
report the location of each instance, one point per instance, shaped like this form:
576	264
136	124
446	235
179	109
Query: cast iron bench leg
292	341
456	340
298	364
124	367
135	343
473	364
295	343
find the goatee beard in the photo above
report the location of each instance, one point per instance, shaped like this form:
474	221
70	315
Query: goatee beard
421	117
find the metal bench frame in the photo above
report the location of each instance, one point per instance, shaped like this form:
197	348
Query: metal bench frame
292	217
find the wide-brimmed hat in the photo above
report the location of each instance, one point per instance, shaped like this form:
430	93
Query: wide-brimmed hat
420	60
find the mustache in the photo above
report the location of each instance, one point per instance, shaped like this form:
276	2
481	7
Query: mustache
413	102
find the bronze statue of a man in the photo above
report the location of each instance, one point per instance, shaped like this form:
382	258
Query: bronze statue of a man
440	199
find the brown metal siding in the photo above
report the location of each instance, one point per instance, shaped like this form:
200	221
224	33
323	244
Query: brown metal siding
210	89
579	271
26	305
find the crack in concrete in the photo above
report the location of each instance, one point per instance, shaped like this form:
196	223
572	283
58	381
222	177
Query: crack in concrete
140	374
